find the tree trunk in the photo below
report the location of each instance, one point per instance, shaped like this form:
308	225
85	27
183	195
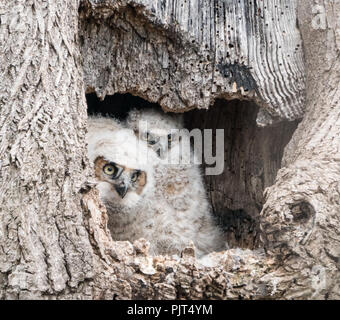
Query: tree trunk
44	246
302	213
54	241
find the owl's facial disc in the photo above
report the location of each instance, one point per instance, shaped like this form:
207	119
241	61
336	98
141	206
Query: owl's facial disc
114	172
127	184
128	180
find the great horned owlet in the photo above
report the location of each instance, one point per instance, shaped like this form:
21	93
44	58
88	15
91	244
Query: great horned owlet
179	185
124	177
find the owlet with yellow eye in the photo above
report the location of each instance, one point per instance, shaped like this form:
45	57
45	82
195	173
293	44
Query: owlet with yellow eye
124	176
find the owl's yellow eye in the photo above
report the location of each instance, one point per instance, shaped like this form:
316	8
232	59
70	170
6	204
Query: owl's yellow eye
134	176
110	170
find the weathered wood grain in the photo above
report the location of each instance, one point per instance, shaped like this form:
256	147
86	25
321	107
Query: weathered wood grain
184	54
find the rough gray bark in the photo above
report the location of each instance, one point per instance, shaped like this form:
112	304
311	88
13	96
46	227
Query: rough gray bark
302	212
53	238
44	246
126	271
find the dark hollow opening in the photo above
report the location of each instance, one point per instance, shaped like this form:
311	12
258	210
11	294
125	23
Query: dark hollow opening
252	158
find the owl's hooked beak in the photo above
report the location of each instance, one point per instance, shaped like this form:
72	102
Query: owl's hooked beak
121	189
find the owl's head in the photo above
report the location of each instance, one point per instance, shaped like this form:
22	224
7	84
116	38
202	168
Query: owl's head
122	164
118	183
157	129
